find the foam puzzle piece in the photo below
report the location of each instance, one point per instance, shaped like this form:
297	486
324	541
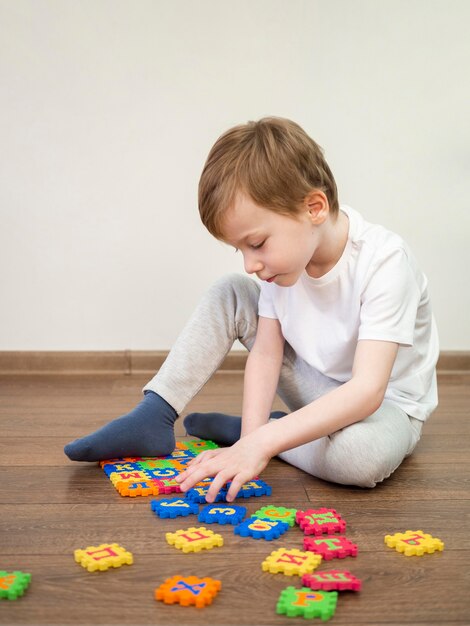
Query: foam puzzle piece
142	488
280	513
331	547
305	602
320	521
174	507
188	590
198	494
334	579
414	543
194	539
199	446
261	528
255	487
222	514
103	557
13	584
290	561
168	485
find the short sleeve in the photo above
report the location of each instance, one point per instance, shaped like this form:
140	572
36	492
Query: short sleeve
265	303
390	299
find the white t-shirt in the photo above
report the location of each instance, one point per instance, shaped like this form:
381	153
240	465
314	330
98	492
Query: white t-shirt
375	291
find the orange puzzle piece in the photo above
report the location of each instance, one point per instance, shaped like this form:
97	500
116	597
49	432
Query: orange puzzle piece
188	590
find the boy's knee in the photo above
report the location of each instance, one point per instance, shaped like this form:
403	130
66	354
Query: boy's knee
235	290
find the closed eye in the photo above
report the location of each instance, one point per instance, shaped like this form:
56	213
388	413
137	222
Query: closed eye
257	246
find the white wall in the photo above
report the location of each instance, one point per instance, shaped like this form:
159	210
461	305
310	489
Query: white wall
108	110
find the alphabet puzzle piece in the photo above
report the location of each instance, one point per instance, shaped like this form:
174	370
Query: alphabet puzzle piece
174	507
222	514
320	521
199	493
307	603
194	539
13	584
103	557
255	487
188	590
414	543
142	488
279	513
334	579
261	528
199	446
331	547
290	561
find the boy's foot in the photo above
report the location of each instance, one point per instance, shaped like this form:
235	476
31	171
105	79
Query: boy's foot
147	430
218	427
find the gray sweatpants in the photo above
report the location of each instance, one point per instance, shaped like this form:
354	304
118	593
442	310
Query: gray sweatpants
362	454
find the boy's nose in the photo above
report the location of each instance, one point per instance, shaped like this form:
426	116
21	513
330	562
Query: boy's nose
252	265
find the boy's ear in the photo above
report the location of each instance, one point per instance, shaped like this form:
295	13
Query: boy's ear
317	206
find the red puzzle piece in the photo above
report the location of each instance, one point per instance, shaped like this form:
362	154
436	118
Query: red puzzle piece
341	580
331	547
320	521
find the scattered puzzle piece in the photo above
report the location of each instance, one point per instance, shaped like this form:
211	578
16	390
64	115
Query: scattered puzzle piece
255	487
334	579
188	590
277	513
13	584
174	507
331	547
222	514
103	557
320	521
307	603
261	528
194	539
414	543
198	494
290	561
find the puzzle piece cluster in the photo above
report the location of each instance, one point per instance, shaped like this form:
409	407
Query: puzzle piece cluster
103	557
189	590
414	543
13	584
151	476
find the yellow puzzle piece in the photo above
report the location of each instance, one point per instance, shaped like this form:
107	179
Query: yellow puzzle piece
290	561
194	539
414	543
103	557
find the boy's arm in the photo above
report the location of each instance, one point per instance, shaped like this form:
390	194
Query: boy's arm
262	374
351	402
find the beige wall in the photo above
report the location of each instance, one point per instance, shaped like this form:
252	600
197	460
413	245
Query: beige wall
109	107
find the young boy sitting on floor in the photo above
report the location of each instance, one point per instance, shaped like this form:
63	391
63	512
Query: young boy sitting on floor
340	326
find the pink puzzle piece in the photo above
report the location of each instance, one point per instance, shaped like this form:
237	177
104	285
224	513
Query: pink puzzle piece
331	547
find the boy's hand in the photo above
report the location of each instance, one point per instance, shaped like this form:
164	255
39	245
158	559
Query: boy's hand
239	463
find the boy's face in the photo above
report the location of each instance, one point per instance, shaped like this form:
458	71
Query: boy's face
277	248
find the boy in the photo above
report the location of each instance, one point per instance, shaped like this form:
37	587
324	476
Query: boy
345	332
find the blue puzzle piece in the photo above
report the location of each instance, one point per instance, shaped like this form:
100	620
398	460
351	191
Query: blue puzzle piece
261	528
110	468
222	514
162	473
198	494
174	507
255	487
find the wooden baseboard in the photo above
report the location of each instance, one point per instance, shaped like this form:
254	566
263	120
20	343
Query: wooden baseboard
147	362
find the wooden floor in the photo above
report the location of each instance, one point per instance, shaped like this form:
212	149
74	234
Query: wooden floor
50	506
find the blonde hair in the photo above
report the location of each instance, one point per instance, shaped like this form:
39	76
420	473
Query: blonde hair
273	161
